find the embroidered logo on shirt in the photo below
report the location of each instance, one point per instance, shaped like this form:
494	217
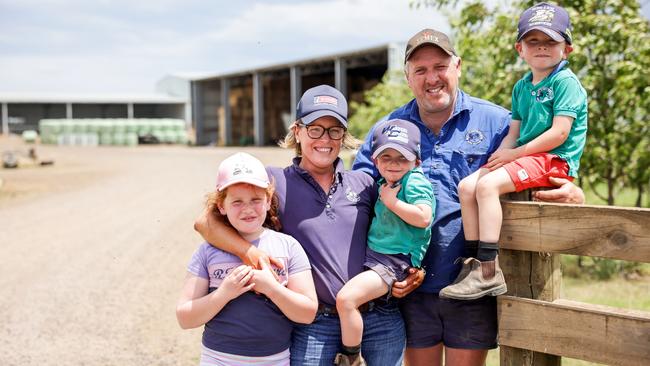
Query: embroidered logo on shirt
474	137
544	94
522	174
352	196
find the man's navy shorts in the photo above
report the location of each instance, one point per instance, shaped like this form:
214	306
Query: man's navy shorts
465	324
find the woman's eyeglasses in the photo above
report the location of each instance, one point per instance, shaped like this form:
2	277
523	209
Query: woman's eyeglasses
316	131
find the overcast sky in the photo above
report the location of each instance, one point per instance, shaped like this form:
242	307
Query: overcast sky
113	46
126	46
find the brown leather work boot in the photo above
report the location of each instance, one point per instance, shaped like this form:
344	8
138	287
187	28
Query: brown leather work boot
475	280
349	360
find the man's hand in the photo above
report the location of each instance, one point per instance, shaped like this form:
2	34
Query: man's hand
410	283
566	193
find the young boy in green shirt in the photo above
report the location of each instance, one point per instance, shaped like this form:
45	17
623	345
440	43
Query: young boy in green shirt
546	139
399	234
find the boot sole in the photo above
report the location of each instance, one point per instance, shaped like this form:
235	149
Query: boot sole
500	290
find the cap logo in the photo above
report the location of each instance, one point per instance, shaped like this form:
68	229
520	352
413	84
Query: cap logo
427	37
396	133
241	169
542	15
326	99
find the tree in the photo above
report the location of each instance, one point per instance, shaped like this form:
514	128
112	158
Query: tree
611	58
378	102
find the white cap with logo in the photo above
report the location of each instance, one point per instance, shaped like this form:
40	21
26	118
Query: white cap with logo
241	168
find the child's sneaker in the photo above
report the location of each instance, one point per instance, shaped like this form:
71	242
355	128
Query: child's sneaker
349	360
476	279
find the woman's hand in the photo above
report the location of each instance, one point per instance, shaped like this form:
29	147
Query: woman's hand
258	259
410	283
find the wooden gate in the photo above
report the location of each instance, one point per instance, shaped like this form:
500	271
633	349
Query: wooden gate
535	326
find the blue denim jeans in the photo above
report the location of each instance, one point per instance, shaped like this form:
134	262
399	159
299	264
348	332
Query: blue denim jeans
384	339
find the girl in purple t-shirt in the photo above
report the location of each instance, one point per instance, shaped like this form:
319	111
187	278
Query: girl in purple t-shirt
217	291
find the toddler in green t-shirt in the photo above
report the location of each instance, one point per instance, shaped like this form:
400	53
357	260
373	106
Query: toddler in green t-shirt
399	233
546	139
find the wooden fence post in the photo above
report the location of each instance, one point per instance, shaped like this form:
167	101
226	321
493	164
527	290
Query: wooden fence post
529	275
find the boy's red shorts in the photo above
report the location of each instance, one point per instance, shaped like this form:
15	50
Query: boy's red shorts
534	170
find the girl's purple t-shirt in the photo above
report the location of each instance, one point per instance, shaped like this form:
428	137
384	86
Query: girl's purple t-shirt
249	325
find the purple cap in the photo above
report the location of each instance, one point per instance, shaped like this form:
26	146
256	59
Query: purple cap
397	134
322	100
548	18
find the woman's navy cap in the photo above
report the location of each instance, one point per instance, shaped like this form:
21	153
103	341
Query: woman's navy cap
322	100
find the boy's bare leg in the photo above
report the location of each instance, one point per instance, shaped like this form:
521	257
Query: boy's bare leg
468	204
482	275
360	289
488	190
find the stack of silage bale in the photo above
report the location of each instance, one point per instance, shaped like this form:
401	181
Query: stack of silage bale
111	131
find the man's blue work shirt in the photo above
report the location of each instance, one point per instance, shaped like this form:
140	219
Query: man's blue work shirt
464	144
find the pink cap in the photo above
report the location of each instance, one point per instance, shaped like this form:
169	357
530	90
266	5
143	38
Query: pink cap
241	168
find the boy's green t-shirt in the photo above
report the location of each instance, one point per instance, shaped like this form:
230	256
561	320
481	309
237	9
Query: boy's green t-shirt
389	234
559	94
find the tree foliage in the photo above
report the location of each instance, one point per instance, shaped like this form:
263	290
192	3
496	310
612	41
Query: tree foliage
611	58
379	102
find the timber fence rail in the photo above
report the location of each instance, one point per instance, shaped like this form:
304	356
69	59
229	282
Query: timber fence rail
538	328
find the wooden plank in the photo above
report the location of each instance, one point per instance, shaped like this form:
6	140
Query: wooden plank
510	356
583	331
531	275
598	231
536	276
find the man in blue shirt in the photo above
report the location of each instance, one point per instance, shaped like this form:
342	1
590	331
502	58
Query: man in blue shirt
459	132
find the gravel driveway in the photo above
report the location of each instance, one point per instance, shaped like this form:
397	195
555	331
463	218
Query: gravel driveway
94	250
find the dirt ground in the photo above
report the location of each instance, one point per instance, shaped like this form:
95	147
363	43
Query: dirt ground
94	249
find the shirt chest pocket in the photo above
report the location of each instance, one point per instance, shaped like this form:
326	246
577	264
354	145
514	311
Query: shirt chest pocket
466	159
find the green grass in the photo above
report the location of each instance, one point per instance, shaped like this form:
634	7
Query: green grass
624	197
617	292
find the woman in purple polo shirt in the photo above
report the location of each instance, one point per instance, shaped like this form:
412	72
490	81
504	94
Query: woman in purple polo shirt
328	210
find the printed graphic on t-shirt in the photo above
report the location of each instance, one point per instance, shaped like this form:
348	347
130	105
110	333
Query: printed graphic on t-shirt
219	271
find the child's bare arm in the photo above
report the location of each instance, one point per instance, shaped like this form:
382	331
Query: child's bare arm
418	215
510	141
549	140
196	307
545	142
